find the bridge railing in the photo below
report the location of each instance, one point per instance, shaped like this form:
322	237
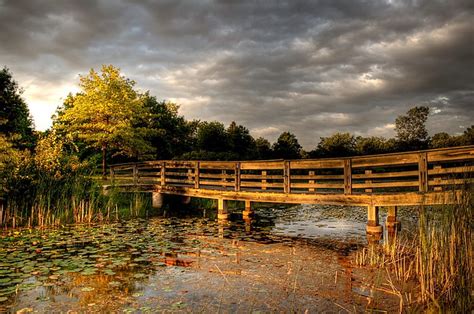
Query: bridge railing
421	171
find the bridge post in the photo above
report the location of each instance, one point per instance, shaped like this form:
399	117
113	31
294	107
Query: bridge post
222	213
248	210
373	227
392	224
156	199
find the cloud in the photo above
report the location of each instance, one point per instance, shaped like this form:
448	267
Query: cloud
312	68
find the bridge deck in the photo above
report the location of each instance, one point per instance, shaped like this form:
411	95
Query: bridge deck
412	178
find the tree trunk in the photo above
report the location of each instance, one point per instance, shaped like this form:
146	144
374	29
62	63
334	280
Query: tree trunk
104	161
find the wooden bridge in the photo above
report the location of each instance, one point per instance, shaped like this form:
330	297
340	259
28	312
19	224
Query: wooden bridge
427	177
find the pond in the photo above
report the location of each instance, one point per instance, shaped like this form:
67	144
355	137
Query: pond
292	259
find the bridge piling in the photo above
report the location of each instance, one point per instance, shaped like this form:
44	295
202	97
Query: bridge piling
222	213
248	211
392	224
373	226
156	200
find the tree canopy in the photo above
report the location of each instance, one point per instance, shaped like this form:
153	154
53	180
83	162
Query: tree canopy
411	128
105	112
287	146
15	121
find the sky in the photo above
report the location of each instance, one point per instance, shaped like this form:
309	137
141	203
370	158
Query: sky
309	67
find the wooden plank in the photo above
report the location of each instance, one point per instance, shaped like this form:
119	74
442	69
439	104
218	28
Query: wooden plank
216	183
259	177
178	164
220	176
380	160
163	173
312	176
217	165
259	165
255	184
450	182
368	174
385	185
440	170
196	175
311	180
347	177
179	174
171	180
423	172
438	179
286	176
264	179
317	164
237	177
451	154
389	199
318	185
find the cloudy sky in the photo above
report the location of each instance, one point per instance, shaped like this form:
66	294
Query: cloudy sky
310	67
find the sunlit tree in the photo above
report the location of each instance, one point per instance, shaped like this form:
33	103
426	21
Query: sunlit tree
411	128
104	113
287	146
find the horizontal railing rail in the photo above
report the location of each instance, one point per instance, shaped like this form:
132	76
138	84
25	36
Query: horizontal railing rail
419	171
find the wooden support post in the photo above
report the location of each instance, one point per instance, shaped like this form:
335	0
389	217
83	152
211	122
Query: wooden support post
237	177
423	172
347	176
311	181
190	175
224	178
112	175
286	176
368	181
264	180
437	179
163	174
222	209
373	226
135	174
392	224
156	199
248	210
196	175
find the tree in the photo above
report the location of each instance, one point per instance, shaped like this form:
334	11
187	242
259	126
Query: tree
371	145
287	146
263	148
468	136
15	120
104	114
411	129
170	134
212	137
336	145
240	141
443	139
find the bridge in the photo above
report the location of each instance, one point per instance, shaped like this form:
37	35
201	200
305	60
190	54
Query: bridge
428	177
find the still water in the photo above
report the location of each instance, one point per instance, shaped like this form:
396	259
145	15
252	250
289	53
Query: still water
293	259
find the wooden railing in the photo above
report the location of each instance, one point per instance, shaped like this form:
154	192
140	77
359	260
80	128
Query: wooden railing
420	171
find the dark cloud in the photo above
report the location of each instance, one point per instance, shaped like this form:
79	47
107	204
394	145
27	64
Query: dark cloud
311	67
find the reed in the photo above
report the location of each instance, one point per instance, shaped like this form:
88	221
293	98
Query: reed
439	259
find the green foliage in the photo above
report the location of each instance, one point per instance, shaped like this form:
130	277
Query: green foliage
212	137
468	136
15	120
241	142
263	149
336	145
287	146
105	114
411	129
443	139
372	145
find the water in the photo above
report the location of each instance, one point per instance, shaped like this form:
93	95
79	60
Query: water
286	259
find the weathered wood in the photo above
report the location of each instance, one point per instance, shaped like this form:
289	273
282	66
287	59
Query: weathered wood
317	164
237	177
259	177
196	175
384	184
381	160
163	174
216	183
451	170
262	185
437	180
368	174
423	172
311	181
312	176
260	165
464	153
286	176
317	185
347	177
264	180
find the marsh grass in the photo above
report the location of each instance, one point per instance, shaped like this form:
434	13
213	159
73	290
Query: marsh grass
76	198
439	260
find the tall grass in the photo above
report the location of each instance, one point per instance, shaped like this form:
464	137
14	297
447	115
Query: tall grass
52	201
439	259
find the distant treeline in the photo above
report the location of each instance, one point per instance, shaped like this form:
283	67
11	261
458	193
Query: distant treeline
110	121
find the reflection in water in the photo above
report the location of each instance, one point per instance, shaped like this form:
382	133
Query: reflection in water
284	259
